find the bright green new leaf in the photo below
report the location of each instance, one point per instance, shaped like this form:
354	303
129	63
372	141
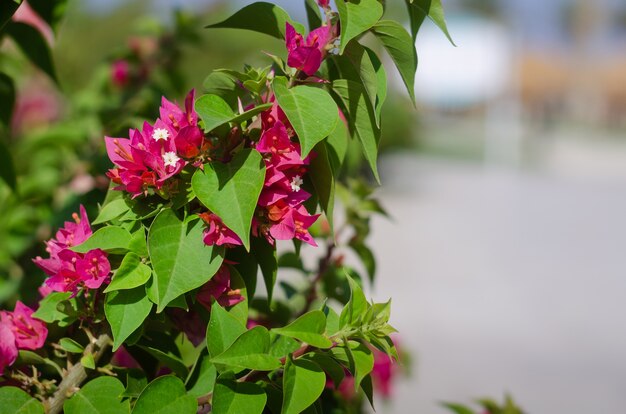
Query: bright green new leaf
399	44
111	239
232	190
260	17
34	46
311	111
308	328
357	305
419	9
7	169
53	309
363	360
15	401
303	383
131	274
361	119
126	310
88	361
99	396
202	377
232	397
111	210
165	395
71	346
323	180
357	17
180	259
249	351
223	329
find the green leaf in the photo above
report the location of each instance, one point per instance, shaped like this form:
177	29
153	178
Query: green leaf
419	9
334	369
71	345
180	259
313	14
362	360
214	111
49	10
303	383
232	397
361	119
131	274
265	255
7	11
88	361
356	18
249	351
458	409
337	146
368	390
357	305
381	79
165	395
34	46
7	99
51	309
232	190
240	310
7	169
15	401
323	180
111	210
260	17
99	396
308	328
136	381
201	380
223	329
356	65
126	310
138	243
311	111
112	239
399	44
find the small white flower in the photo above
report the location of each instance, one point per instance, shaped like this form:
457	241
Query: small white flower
170	159
296	182
160	133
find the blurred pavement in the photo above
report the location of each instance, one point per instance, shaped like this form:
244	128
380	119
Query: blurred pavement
508	280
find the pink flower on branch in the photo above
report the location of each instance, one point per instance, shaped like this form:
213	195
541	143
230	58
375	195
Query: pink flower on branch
307	55
218	288
217	233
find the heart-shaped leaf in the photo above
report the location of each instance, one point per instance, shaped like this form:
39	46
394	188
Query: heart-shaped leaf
232	190
356	18
126	310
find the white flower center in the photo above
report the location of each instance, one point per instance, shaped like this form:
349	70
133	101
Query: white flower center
160	133
170	159
296	182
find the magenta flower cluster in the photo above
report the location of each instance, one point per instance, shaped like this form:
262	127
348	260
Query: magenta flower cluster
145	161
69	271
19	330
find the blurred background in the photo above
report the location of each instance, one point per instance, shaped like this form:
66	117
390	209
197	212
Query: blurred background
506	186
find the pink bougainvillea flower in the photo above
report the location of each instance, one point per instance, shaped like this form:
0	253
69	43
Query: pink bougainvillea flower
175	117
28	332
217	233
275	140
294	224
384	372
218	288
306	55
94	268
8	349
190	323
122	358
120	73
324	3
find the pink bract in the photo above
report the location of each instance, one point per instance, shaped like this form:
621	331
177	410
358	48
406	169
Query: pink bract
28	332
306	55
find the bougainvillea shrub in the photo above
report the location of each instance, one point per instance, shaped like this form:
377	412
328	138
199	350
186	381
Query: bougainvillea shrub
171	298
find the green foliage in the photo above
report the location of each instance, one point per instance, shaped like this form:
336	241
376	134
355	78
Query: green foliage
299	103
32	43
99	396
180	260
420	9
308	328
110	239
165	395
232	397
15	401
126	310
356	18
303	383
231	190
132	273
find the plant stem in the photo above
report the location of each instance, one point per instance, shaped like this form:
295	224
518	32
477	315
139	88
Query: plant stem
76	375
